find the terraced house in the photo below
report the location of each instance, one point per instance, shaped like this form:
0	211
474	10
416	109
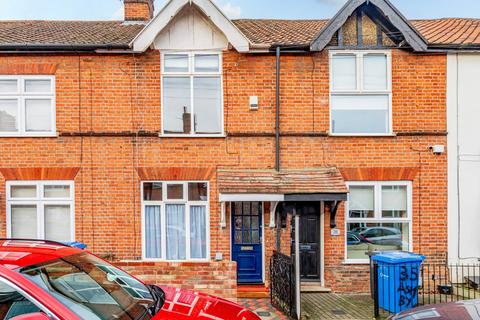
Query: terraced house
180	144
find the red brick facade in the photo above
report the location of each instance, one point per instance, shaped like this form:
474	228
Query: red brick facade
108	120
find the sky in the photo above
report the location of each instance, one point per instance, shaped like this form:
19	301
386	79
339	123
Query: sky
274	9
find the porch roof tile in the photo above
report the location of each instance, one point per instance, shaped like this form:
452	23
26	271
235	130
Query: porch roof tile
288	181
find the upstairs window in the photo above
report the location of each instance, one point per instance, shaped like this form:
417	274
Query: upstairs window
192	94
27	105
360	93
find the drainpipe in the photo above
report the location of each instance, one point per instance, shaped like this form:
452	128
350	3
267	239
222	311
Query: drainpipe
277	112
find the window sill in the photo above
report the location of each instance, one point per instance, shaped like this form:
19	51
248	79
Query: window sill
162	135
29	135
199	261
356	262
362	135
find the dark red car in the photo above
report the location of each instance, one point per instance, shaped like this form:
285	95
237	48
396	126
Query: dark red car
41	280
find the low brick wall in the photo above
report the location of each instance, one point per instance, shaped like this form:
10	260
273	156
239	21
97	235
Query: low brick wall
348	278
216	278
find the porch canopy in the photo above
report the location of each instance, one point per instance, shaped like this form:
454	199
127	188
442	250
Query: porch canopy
317	184
289	185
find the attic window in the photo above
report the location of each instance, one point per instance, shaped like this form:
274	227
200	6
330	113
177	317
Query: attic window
192	97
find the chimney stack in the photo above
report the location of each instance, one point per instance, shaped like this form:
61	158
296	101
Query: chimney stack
138	10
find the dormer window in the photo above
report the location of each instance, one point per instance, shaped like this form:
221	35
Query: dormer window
192	96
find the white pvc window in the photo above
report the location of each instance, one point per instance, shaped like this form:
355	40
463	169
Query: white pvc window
27	106
175	220
378	218
360	93
40	210
192	95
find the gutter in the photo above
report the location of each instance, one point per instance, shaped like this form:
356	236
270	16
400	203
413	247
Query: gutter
53	48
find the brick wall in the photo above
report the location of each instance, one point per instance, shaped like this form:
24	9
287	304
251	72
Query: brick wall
138	10
216	278
108	118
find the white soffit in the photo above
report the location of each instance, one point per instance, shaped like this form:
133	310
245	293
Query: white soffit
232	197
148	35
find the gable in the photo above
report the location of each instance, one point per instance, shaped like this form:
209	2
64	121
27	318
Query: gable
369	24
190	29
167	17
362	31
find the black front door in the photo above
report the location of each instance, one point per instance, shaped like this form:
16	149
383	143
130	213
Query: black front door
309	240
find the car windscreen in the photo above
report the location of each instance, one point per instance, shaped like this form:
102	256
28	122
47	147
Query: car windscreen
92	288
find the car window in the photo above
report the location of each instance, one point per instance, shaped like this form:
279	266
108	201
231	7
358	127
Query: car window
92	288
13	303
387	232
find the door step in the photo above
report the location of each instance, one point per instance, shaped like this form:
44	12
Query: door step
314	287
252	291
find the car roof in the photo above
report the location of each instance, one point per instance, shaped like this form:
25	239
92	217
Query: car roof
22	253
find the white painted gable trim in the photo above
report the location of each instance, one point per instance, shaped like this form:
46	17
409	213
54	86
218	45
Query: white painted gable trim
147	36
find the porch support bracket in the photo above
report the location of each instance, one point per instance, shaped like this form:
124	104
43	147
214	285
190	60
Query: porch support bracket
333	213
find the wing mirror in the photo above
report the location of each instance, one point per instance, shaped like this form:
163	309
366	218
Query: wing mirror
32	316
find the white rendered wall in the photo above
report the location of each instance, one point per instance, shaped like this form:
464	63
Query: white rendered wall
463	111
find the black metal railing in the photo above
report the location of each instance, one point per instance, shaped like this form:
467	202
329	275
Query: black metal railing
282	284
397	288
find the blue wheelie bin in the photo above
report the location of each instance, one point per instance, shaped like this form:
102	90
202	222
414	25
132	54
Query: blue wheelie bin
398	280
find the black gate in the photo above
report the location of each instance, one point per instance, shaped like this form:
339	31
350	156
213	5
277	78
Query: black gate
282	286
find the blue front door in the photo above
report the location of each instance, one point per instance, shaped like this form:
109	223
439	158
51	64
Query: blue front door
247	241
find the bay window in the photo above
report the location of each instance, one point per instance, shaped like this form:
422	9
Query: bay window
378	218
192	94
40	210
175	220
27	105
360	93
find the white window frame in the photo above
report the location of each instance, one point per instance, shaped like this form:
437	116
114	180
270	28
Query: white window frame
191	74
40	201
360	90
20	95
378	212
163	225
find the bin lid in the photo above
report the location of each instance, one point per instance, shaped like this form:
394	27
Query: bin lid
396	257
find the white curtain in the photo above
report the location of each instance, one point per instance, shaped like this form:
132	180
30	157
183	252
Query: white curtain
198	239
176	241
361	198
152	232
24	221
344	72
57	223
394	198
375	72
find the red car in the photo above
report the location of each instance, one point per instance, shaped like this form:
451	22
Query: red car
42	280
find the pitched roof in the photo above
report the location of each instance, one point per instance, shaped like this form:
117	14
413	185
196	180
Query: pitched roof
67	33
446	31
291	181
450	31
285	32
459	32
